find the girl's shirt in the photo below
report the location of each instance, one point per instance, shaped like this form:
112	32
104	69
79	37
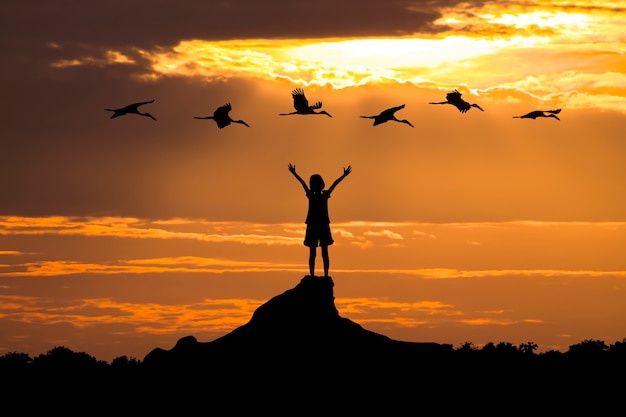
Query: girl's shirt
318	208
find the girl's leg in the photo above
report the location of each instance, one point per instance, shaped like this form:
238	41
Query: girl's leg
312	254
326	260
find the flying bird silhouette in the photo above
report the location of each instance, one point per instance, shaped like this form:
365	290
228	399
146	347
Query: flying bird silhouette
387	116
540	113
131	109
222	117
455	99
301	104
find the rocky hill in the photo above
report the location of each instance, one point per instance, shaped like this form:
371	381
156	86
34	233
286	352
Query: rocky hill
302	324
296	349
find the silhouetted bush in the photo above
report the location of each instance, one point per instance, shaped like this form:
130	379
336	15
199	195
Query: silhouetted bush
588	348
15	360
124	362
63	359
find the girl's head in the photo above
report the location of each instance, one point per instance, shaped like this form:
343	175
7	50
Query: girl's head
316	183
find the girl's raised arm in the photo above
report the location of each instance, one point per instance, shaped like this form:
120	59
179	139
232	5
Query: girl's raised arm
346	171
292	169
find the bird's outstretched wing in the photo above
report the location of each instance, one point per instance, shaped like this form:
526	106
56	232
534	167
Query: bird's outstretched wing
134	106
389	112
455	99
530	115
222	111
131	108
385	115
300	103
454	96
540	113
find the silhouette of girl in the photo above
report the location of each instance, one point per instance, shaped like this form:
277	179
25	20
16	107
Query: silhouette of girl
317	219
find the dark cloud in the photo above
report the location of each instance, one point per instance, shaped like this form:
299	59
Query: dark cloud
34	34
164	22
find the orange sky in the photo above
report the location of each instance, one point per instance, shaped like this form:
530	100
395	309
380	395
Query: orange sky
118	236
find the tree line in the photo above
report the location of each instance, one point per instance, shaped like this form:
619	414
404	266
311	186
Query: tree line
588	378
61	357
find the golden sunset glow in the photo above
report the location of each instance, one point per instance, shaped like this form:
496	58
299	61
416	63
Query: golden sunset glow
211	317
118	235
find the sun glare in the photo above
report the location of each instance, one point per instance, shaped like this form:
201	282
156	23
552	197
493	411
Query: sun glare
339	63
396	53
